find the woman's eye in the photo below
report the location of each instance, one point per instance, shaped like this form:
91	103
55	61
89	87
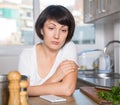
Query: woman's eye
51	28
64	30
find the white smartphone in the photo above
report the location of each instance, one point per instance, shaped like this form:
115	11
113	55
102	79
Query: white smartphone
53	98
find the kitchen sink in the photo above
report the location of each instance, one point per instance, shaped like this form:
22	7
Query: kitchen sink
103	75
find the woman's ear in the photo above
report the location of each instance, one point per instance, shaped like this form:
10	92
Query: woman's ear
41	31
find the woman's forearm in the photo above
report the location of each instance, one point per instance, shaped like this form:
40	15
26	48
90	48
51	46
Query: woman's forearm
65	87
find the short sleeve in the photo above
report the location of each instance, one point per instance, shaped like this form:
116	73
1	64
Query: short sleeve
70	52
23	64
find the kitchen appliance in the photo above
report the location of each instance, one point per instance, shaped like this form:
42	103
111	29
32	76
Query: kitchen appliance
4	91
95	59
103	62
87	58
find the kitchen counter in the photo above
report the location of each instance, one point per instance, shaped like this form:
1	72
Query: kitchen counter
83	76
78	98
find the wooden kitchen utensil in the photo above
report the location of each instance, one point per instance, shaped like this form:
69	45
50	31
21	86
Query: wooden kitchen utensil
23	92
14	88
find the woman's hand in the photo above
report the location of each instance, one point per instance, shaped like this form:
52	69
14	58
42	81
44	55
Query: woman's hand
63	69
66	67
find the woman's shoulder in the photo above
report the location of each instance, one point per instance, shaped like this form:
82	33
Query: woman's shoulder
69	47
69	51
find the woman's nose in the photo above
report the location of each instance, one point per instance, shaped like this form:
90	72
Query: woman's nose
57	34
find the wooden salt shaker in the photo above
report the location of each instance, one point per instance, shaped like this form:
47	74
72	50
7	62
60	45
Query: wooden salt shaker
14	78
23	92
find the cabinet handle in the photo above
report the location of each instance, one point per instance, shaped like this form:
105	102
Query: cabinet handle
103	5
90	8
99	6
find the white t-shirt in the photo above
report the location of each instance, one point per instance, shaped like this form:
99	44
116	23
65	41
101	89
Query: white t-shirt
28	62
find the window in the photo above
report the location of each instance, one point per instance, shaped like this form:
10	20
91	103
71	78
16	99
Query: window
16	22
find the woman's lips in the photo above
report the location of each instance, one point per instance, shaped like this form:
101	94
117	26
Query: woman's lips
55	42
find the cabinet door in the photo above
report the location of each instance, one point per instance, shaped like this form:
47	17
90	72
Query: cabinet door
96	9
102	8
89	10
115	6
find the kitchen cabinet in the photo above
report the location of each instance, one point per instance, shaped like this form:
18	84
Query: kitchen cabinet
115	6
89	10
102	8
96	9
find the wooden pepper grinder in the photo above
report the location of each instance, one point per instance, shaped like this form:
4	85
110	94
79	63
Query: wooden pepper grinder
14	78
23	92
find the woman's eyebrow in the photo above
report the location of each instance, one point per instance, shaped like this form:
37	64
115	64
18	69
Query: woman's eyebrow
58	23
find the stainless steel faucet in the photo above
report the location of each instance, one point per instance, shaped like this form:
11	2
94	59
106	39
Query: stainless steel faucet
105	50
113	41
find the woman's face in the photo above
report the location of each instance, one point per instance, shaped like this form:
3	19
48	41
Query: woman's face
54	34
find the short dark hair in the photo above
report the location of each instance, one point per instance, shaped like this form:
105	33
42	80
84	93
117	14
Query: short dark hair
58	13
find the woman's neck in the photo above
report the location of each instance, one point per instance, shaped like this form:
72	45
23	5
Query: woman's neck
49	53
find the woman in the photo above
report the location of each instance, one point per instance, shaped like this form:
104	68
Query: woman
52	64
